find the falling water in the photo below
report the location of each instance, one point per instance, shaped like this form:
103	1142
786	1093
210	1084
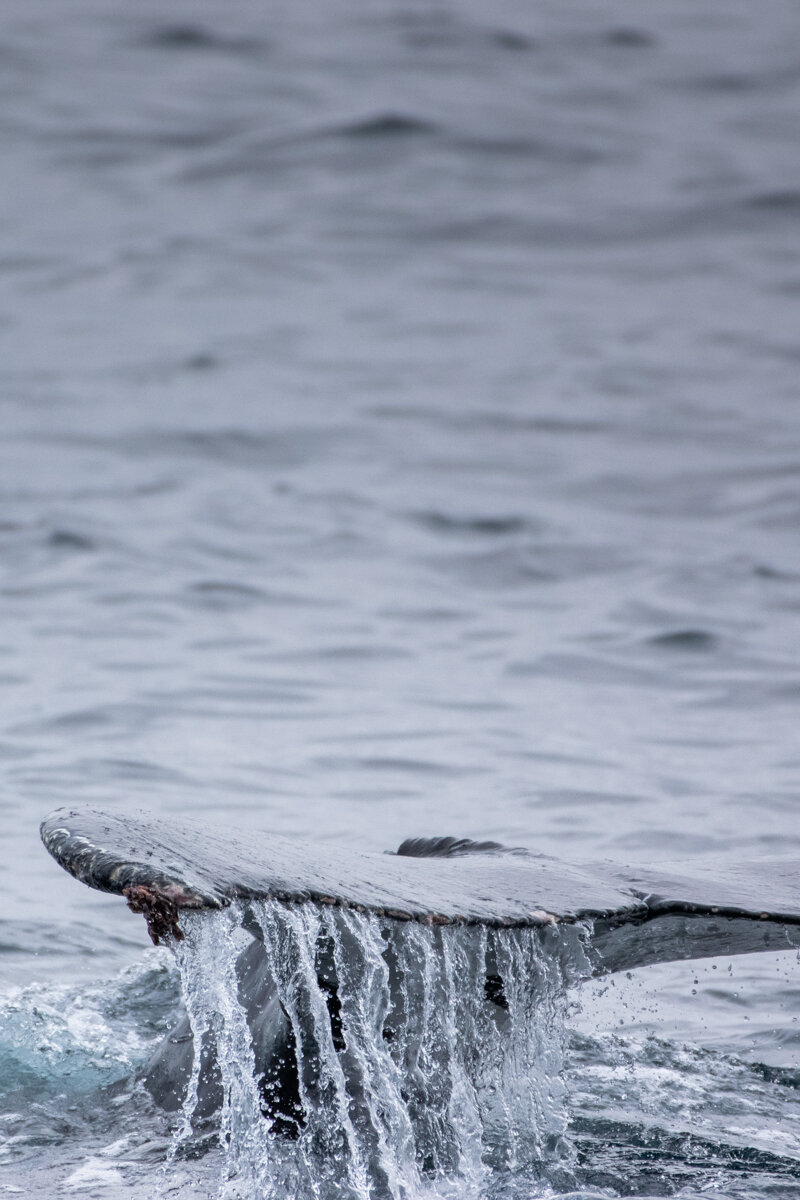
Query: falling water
424	1055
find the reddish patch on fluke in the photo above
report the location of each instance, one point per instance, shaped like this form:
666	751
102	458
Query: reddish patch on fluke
159	909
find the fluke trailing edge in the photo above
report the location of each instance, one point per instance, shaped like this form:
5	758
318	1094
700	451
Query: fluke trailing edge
632	916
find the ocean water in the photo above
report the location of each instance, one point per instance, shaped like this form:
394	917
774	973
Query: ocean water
400	436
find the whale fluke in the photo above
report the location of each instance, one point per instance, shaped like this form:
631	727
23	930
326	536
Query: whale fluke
632	916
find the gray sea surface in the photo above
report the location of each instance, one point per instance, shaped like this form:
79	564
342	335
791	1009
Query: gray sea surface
400	436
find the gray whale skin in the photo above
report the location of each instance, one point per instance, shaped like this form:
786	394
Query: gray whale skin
631	916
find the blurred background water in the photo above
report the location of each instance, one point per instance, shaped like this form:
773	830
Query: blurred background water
400	435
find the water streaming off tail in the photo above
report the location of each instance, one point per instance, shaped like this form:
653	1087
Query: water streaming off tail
358	1057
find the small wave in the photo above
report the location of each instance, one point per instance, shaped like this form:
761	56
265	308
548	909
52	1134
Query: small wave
224	596
628	37
189	37
232	446
386	125
525	564
780	202
700	1114
483	526
692	640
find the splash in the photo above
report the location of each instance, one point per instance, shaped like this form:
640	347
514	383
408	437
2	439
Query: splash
81	1037
422	1058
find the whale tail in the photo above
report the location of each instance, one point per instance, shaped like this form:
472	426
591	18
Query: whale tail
393	1015
631	917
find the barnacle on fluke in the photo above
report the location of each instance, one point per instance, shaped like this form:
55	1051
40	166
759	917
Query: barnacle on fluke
160	911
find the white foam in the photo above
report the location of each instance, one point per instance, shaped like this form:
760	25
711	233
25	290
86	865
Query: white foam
92	1174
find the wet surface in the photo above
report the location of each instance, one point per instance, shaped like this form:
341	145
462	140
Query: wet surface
400	437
